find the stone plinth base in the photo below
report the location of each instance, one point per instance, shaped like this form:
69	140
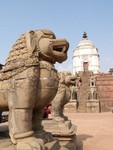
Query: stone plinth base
65	132
67	141
93	106
6	144
71	106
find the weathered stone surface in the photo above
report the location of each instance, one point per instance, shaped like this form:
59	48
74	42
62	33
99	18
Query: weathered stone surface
6	144
82	93
28	82
60	127
65	132
65	128
63	95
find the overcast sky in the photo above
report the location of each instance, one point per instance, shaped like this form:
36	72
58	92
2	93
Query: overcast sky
66	18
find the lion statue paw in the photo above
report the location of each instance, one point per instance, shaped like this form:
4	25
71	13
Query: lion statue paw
30	144
46	136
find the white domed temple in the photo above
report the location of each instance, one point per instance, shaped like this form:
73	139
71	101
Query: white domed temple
86	57
94	90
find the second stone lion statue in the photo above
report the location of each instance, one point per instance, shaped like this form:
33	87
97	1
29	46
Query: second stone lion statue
63	95
28	82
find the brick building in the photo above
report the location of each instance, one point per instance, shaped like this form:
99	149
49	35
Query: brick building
86	66
104	85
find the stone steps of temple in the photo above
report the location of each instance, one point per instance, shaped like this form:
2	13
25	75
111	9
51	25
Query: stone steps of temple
83	92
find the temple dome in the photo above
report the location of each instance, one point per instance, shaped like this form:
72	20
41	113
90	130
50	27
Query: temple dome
86	52
85	42
86	45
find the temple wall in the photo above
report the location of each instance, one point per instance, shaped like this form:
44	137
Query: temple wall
104	85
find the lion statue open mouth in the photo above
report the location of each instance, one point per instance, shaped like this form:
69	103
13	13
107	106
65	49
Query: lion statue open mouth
28	82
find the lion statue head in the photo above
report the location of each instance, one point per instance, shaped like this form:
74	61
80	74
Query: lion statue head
30	48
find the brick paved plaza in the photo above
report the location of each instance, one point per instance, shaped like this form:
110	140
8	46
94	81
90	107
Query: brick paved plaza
94	130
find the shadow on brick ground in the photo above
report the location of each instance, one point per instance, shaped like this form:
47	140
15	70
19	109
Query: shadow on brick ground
80	139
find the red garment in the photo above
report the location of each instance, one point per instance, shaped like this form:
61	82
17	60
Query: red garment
47	111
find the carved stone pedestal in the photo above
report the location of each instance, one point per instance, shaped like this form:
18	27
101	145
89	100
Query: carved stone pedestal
93	106
6	144
63	131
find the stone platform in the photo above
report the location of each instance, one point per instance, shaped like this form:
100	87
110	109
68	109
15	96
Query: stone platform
6	144
65	132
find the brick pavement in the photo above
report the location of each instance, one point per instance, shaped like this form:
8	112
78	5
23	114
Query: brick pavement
94	130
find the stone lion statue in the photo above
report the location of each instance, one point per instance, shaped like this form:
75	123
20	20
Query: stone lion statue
28	82
63	95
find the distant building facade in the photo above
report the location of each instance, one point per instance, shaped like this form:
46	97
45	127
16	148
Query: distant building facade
95	91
